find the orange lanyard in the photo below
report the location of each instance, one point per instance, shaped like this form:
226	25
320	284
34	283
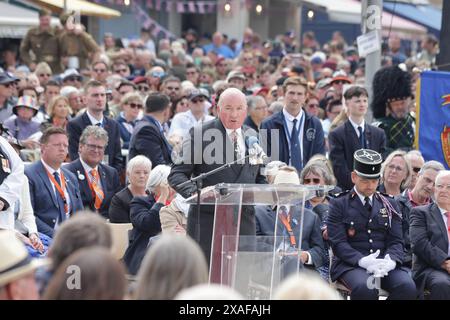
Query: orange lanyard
286	222
60	188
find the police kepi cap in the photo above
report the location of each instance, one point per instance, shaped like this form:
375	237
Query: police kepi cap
367	163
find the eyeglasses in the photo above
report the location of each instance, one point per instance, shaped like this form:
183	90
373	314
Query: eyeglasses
94	147
313	105
314	180
143	88
440	187
44	75
157	74
393	167
9	84
135	105
339	82
73	79
416	170
99	70
197	100
120	70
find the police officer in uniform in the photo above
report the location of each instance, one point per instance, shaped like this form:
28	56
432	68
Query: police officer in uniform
365	231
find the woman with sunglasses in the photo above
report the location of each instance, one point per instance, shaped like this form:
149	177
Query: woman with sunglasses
132	106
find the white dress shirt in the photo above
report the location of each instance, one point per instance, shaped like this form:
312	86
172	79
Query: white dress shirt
182	122
355	126
290	125
240	140
444	217
93	120
88	169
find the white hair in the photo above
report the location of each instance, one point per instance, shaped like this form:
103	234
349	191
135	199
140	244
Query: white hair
442	174
139	160
209	291
157	177
66	91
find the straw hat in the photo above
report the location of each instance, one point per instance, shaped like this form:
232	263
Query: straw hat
15	261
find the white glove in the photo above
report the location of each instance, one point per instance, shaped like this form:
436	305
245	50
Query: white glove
390	264
367	261
381	267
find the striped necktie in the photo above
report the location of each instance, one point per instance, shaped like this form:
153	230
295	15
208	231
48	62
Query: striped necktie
98	193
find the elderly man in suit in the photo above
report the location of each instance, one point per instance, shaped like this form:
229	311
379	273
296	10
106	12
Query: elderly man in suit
202	154
148	137
54	191
430	233
95	106
354	134
300	136
98	182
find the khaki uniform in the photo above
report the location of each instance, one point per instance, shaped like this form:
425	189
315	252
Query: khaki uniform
39	46
79	45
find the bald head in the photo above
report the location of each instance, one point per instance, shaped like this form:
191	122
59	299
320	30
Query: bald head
232	108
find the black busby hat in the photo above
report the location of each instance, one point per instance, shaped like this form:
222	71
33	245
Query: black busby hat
367	163
389	84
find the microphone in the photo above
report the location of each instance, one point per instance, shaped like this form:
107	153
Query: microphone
253	143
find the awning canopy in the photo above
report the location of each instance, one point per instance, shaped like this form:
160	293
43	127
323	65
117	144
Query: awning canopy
15	21
349	11
84	7
428	16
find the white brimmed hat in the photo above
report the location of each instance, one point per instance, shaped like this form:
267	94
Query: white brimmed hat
15	262
287	175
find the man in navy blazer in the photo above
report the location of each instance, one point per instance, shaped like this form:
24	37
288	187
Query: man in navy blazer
96	103
148	136
430	232
93	141
354	134
300	135
53	201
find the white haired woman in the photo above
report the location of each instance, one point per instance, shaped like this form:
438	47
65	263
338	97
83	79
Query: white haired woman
138	171
144	215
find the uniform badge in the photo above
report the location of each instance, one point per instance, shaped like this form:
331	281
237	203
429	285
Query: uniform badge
5	165
351	231
310	134
383	213
80	176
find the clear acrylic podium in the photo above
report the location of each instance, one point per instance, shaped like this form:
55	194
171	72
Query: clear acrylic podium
253	265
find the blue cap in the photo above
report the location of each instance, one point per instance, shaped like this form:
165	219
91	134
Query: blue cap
6	77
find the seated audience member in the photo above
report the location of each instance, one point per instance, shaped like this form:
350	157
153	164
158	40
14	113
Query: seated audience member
74	96
17	281
131	105
82	231
105	283
209	291
395	173
55	193
144	215
173	217
22	126
420	195
171	264
430	234
417	161
59	113
305	286
25	224
271	170
98	182
288	224
257	112
138	170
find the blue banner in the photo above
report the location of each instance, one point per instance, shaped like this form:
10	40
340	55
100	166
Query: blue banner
433	118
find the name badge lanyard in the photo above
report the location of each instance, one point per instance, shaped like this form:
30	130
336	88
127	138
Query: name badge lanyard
288	134
61	189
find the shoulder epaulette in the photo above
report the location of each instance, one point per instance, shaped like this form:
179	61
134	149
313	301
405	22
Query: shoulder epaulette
339	194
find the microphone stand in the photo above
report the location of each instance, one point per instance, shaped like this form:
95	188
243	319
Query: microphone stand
198	180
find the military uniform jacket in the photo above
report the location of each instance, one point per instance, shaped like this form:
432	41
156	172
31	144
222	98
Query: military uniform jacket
355	233
44	46
399	133
80	45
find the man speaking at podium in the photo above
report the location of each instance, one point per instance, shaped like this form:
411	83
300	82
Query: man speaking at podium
211	145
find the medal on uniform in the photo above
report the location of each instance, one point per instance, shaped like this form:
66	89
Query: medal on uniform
80	176
5	165
351	231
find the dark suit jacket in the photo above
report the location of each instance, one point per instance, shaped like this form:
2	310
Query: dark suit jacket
313	137
144	213
76	126
195	164
148	140
344	142
108	178
348	224
119	210
429	241
43	198
311	238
